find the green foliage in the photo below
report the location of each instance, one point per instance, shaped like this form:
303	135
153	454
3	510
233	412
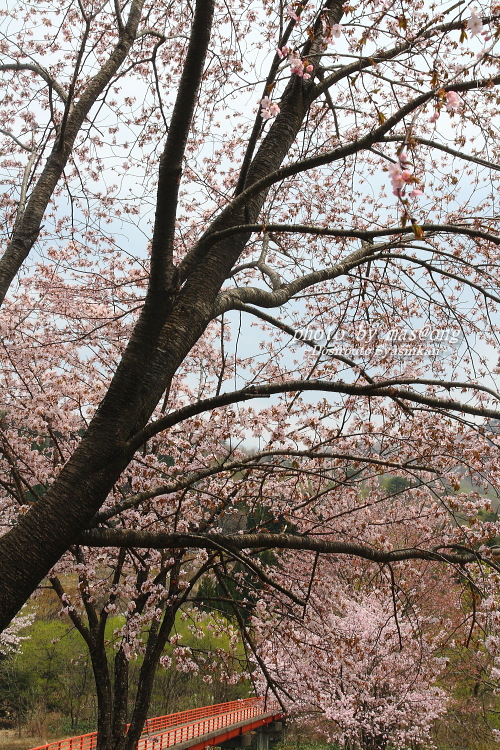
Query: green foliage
394	485
50	674
49	686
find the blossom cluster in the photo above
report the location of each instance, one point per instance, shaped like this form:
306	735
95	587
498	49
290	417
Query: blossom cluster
453	104
475	24
298	66
269	109
370	673
10	640
401	175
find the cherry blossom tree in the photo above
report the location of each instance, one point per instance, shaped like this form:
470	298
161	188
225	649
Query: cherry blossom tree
11	638
361	662
125	607
250	267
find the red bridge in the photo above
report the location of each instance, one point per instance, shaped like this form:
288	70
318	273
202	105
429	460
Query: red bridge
198	728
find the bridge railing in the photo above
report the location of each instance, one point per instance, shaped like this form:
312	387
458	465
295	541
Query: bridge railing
198	722
160	723
194	723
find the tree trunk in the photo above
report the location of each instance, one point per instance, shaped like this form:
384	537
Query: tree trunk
120	691
104	694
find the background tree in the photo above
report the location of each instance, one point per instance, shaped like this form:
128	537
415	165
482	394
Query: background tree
11	638
362	661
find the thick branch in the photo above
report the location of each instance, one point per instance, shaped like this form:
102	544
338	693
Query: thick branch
160	540
363	234
295	104
384	389
173	154
258	125
234	298
280	296
391	54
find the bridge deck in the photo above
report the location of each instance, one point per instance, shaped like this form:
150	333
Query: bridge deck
195	729
206	733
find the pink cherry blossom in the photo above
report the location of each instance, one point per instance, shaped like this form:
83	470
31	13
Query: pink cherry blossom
292	14
296	65
372	676
475	23
269	109
397	180
453	101
10	639
401	175
308	70
283	52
